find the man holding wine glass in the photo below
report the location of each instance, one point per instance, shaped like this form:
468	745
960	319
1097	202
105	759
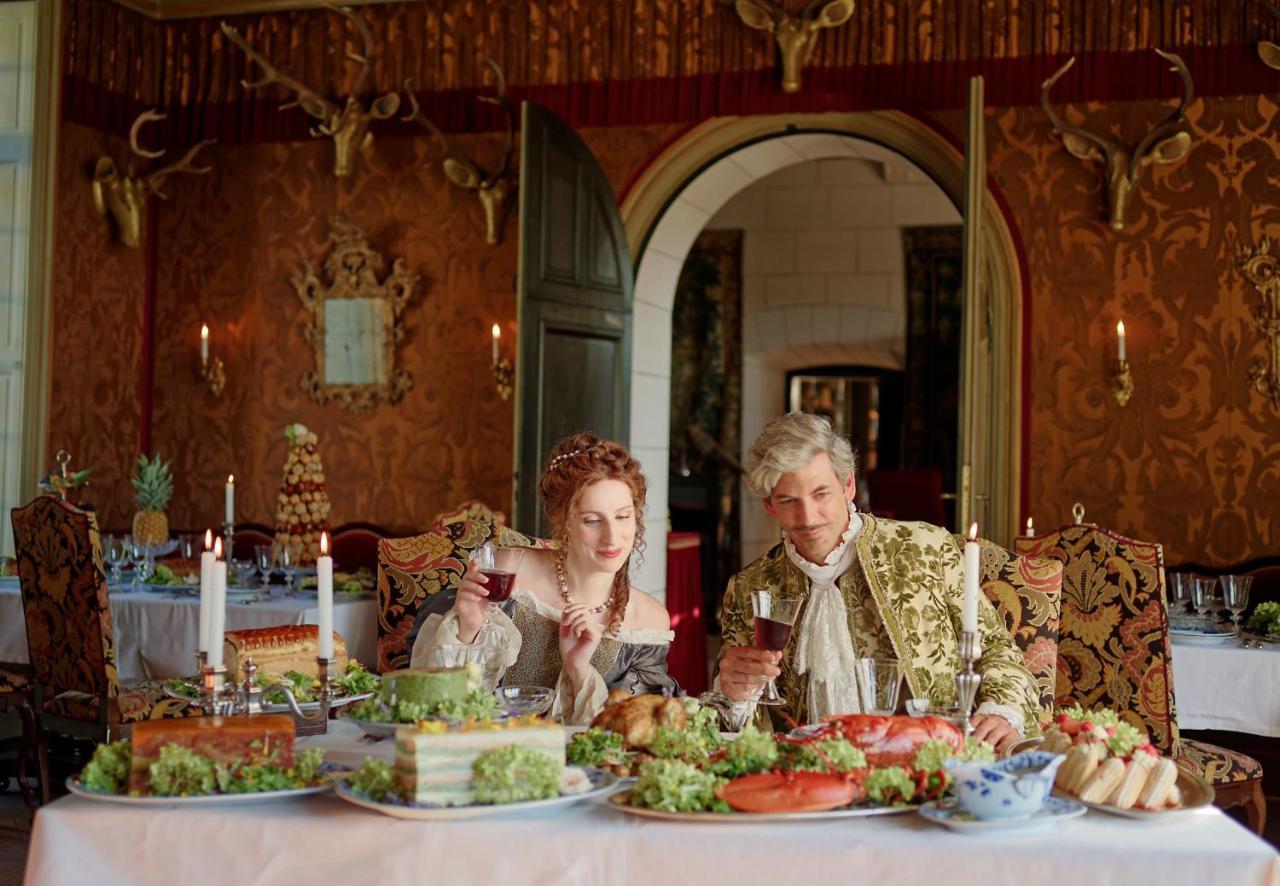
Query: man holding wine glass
845	588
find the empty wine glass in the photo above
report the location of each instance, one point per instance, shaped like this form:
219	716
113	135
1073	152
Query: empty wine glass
774	618
1202	588
1180	590
188	546
879	681
1235	592
115	552
264	557
286	556
143	565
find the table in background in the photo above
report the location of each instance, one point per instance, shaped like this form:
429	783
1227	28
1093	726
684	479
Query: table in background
687	658
155	632
1228	688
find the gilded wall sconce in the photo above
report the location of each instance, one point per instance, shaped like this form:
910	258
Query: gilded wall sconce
1267	51
212	372
1165	143
348	123
1122	381
123	197
493	188
795	33
1260	267
503	373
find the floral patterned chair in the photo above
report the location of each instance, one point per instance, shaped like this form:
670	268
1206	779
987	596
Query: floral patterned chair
1027	591
410	570
1114	651
69	634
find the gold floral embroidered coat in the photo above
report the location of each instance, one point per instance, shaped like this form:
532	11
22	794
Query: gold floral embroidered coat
903	595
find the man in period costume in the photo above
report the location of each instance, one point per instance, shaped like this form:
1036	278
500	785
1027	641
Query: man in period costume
872	588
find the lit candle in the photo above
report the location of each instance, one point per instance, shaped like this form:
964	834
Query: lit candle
496	334
972	552
204	343
229	501
1120	339
217	606
324	591
1031	528
206	589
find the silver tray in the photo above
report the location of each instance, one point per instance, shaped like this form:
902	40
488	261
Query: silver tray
622	802
601	783
75	787
280	708
1196	794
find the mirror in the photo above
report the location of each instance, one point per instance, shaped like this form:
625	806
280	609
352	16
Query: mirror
354	324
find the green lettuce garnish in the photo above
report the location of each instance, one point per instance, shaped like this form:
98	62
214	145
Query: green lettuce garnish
932	755
375	779
181	772
514	774
108	771
676	786
890	786
1265	618
841	756
753	751
976	749
596	747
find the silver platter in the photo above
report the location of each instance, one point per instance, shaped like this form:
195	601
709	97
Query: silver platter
75	787
1196	794
601	783
622	802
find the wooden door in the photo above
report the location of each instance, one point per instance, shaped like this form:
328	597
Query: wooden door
573	363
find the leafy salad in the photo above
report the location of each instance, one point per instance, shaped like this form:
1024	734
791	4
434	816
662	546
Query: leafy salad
476	704
358	582
510	774
357	680
1266	619
181	772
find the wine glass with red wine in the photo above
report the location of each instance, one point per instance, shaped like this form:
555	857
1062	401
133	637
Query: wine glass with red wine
498	565
775	617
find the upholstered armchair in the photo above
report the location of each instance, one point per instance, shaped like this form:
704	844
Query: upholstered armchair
1114	651
70	640
412	570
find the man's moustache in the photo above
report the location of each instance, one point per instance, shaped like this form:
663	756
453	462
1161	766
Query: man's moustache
809	528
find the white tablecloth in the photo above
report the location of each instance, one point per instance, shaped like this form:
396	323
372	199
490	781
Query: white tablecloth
155	632
324	840
1228	687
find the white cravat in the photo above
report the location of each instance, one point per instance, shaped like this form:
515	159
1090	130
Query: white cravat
824	648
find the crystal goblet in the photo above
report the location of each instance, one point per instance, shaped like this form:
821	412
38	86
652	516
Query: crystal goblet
499	566
774	618
879	681
1235	592
1202	589
264	558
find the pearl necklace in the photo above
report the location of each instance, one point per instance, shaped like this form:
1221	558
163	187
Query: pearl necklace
564	590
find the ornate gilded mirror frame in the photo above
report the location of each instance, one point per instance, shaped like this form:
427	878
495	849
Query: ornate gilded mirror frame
1261	267
354	322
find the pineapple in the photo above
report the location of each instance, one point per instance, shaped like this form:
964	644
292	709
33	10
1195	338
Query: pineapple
154	487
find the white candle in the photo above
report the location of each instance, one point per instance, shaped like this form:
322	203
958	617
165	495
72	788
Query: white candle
496	334
206	589
217	606
972	552
229	502
204	343
1120	339
324	591
1031	528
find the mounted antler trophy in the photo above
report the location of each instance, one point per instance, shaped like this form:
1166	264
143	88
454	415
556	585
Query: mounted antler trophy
1267	51
347	125
796	33
1168	142
492	187
123	196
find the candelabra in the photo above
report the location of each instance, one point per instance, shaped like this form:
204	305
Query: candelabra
229	540
246	697
967	679
1122	384
214	374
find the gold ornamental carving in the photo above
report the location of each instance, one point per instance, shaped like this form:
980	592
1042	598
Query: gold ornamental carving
123	196
1167	142
1259	267
796	33
354	322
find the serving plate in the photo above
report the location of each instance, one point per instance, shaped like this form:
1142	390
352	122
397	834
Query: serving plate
947	813
601	783
277	707
1205	637
1196	794
75	787
622	802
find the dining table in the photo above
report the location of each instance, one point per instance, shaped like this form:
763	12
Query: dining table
156	628
324	839
1224	685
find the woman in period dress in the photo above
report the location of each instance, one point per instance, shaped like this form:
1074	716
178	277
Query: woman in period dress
573	621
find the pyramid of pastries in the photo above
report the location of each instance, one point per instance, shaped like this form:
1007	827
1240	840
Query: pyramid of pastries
1110	762
302	505
280	649
261	738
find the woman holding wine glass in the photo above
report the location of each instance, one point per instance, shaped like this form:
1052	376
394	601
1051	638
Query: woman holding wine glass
572	620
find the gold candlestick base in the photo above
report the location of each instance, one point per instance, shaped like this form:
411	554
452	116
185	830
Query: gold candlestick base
504	378
1122	384
214	375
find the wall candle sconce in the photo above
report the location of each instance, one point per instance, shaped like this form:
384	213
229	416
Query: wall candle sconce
1122	381
503	374
212	372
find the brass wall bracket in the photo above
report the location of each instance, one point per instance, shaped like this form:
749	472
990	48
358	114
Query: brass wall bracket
214	374
1122	384
1260	267
504	377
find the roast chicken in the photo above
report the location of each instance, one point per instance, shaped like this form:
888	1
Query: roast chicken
636	717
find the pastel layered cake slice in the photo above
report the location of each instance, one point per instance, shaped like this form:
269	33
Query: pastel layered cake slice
434	760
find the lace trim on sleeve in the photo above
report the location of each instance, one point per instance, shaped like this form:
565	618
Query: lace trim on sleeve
582	709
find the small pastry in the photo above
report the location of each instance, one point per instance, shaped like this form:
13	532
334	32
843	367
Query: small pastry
1135	779
1160	784
1082	761
1100	785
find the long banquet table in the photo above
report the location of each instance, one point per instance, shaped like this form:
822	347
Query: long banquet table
1228	687
155	631
324	840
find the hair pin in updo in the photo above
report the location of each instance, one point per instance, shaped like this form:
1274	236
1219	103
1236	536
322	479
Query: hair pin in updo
587	450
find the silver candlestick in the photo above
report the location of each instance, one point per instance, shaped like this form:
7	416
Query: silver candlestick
229	540
247	697
967	679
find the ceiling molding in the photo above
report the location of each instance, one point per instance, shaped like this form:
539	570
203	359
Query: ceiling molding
168	10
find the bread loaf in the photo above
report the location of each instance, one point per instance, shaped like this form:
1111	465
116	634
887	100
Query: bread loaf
278	650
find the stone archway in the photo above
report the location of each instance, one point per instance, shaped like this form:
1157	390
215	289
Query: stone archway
683	188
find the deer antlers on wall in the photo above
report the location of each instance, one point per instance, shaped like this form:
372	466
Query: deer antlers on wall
492	187
348	124
123	196
1268	51
1167	142
796	33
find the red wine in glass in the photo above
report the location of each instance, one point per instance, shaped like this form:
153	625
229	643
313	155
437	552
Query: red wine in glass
499	584
772	635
